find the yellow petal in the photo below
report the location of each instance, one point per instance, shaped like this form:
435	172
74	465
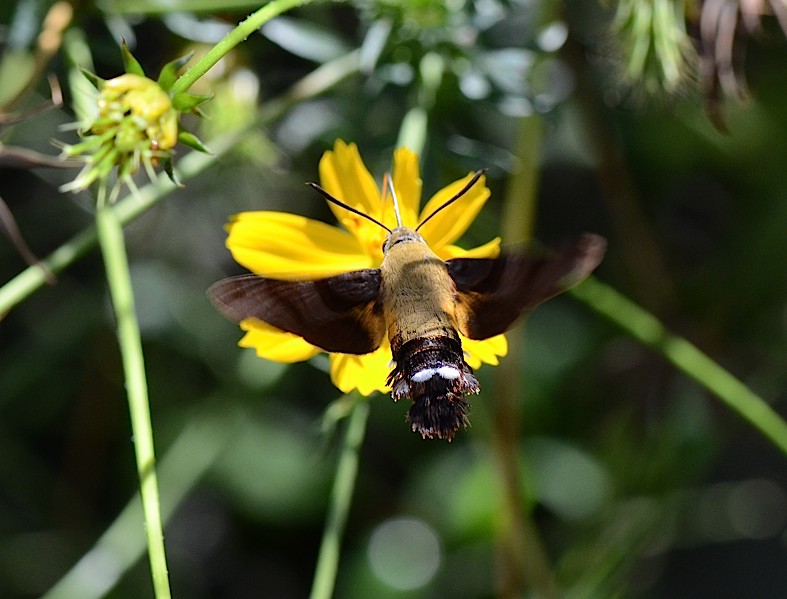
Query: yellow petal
486	350
367	373
273	344
288	246
449	224
407	183
344	175
491	249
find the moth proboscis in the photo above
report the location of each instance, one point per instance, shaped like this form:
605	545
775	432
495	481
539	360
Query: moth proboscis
421	303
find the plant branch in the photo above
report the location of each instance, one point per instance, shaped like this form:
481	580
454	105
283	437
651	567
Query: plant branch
685	356
239	34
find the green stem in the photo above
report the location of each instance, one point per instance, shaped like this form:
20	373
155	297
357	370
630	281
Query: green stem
341	497
232	39
110	234
122	544
645	327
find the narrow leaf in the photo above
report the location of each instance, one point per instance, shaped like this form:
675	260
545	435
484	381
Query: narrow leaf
192	141
132	64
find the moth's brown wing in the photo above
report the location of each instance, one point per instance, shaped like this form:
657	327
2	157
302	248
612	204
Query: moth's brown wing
337	314
493	293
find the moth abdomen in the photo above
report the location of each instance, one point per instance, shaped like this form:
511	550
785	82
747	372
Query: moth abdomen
432	373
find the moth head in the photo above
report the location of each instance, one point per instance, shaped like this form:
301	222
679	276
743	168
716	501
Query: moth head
401	235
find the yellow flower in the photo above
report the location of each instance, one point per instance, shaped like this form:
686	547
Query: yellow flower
291	247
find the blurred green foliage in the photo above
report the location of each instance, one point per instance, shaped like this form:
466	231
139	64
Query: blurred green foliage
637	482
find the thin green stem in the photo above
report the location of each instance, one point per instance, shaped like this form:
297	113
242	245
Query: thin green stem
341	498
110	234
232	39
645	327
188	458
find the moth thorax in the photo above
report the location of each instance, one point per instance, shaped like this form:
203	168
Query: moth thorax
432	373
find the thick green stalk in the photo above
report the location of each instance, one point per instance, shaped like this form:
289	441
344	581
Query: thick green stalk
341	498
110	235
239	34
645	327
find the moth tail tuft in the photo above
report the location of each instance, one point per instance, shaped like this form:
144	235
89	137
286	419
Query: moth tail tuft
440	416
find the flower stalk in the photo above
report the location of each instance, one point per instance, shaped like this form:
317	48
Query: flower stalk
341	498
239	34
110	235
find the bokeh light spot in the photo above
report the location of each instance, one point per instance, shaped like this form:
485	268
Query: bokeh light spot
404	553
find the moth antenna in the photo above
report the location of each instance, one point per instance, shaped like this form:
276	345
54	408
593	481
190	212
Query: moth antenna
389	182
447	203
341	204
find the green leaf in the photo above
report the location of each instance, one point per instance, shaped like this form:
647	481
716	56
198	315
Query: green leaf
169	72
132	64
192	141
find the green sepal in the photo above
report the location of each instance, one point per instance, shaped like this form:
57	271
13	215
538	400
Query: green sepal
169	169
192	141
169	72
131	64
93	78
186	102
